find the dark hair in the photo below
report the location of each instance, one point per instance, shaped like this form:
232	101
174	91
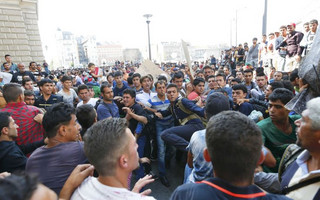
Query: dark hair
32	63
29	93
104	142
177	76
223	75
6	55
283	26
83	87
306	23
16	187
248	71
159	82
58	114
211	76
171	85
196	81
66	78
282	94
294	74
136	75
129	80
234	144
313	21
131	92
145	77
44	81
86	116
240	87
25	80
109	75
236	80
90	64
207	67
276	84
259	70
4	120
162	78
104	86
118	73
11	92
216	103
221	90
287	84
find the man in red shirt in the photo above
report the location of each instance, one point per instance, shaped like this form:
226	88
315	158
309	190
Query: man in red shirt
28	118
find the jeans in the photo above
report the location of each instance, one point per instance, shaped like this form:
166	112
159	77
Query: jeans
141	142
179	136
161	147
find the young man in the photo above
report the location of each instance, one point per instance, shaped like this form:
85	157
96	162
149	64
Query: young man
239	91
187	113
198	85
21	74
222	83
114	161
248	76
145	94
258	91
234	161
136	82
28	118
54	162
86	116
83	92
6	73
69	95
178	80
107	108
136	116
278	131
12	66
120	85
47	99
29	97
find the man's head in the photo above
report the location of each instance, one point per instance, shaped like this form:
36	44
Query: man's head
6	66
239	75
146	83
272	86
119	150
33	66
208	71
277	100
291	27
129	97
198	85
8	127
7	57
239	91
234	146
106	92
60	122
235	81
178	79
294	77
226	70
221	80
118	77
86	116
271	36
313	24
21	67
160	87
248	75
12	92
172	92
29	97
66	82
283	31
212	82
216	103
27	83
46	86
308	127
136	80
254	41
278	76
83	92
91	67
306	27
261	80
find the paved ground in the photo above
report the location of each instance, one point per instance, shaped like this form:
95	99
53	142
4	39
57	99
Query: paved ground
175	176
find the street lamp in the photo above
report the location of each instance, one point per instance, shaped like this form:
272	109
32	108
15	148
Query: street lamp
148	22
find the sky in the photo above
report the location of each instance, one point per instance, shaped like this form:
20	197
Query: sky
200	22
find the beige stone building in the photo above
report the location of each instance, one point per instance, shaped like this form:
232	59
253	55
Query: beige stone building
19	32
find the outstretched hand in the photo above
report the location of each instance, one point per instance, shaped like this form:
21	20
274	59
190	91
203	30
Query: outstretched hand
141	183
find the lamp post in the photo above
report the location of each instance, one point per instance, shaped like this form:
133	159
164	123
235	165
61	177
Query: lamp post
148	22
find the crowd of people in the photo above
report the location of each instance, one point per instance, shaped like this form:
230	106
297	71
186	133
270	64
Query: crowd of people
89	133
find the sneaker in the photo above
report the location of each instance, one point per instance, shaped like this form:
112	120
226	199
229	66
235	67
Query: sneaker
164	180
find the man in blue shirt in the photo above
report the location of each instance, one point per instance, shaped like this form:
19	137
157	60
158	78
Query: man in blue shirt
239	91
107	108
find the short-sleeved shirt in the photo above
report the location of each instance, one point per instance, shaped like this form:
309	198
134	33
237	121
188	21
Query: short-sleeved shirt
40	102
119	91
276	140
106	110
92	102
54	165
144	97
68	98
192	95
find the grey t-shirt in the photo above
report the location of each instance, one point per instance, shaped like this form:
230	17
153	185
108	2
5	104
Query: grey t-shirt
68	98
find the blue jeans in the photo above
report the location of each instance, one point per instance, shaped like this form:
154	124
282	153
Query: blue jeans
141	142
161	147
179	136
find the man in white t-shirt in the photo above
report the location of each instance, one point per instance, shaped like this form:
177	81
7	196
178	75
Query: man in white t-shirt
114	161
83	93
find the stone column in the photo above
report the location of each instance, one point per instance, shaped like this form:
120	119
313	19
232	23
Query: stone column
19	32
